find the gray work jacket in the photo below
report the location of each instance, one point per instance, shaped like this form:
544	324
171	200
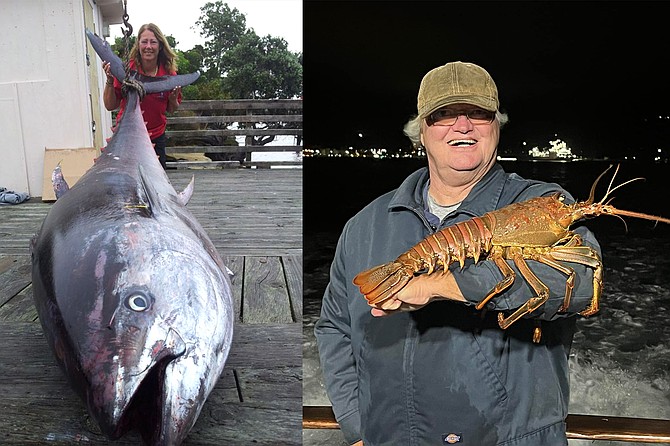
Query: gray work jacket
446	374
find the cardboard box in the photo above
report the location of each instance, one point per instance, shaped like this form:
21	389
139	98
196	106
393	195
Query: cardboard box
73	163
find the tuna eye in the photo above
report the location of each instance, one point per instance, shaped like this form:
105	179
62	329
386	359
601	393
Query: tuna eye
137	302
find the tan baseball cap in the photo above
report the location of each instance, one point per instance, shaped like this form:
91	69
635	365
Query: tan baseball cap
457	83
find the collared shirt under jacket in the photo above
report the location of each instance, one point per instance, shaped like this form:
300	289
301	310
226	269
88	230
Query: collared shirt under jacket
446	374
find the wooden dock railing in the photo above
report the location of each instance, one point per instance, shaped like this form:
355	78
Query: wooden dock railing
212	127
583	427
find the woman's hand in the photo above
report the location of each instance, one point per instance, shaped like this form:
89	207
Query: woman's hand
109	97
173	99
174	95
107	68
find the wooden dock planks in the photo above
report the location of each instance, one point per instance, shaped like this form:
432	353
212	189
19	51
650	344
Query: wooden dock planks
38	406
254	218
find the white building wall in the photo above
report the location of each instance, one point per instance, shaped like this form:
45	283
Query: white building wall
44	91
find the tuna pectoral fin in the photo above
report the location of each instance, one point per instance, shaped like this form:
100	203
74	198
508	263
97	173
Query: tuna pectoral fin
106	54
185	195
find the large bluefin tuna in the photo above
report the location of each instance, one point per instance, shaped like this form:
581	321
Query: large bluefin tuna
132	295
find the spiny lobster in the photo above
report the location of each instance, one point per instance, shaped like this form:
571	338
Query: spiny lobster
537	229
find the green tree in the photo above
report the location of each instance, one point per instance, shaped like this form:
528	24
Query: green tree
222	27
262	68
119	46
250	66
193	59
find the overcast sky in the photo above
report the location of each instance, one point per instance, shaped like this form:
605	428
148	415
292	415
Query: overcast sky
279	18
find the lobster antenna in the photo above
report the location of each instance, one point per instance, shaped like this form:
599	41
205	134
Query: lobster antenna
609	186
610	190
620	185
592	194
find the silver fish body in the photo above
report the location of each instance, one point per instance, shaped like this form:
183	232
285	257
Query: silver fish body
133	297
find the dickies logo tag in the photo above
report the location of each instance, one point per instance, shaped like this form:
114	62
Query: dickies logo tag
452	438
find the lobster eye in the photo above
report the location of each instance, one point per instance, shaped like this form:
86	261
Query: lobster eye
137	302
561	198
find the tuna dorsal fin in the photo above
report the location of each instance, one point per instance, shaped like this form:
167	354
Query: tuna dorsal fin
149	193
107	55
185	195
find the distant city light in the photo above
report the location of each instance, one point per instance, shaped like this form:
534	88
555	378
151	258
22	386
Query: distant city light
555	150
558	150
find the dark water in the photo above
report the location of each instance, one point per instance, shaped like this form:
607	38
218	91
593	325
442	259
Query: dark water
336	188
621	356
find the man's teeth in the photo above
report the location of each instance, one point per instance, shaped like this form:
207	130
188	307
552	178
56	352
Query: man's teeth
462	142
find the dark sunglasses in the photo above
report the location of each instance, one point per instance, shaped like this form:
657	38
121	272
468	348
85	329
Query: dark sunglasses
446	116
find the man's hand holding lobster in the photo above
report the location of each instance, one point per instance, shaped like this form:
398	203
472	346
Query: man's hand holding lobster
419	292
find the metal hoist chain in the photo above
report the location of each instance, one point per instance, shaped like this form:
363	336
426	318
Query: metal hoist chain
129	82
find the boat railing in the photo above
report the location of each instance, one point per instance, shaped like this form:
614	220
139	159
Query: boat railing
582	427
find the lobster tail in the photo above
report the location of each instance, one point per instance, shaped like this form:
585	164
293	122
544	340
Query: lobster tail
381	282
456	243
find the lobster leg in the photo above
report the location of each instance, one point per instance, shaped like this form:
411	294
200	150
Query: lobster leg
531	304
584	255
569	283
508	279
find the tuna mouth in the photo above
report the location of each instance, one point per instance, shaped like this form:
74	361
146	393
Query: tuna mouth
147	408
145	411
462	142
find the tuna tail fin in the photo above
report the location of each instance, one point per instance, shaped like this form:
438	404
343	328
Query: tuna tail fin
106	54
151	84
165	83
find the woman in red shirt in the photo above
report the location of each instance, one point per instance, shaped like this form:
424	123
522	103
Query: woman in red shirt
151	55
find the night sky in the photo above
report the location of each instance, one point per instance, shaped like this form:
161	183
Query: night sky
593	73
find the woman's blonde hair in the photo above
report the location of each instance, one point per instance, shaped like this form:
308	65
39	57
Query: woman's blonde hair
166	56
